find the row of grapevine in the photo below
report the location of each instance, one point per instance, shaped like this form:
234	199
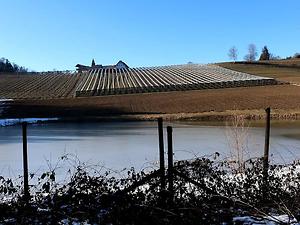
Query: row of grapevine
112	81
38	86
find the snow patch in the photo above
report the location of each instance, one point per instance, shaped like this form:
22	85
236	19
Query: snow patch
10	122
6	100
270	220
4	104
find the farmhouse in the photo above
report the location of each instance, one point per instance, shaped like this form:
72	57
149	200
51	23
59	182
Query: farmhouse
119	65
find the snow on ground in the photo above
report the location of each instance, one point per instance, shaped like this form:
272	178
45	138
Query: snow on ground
5	100
4	103
245	220
270	220
10	122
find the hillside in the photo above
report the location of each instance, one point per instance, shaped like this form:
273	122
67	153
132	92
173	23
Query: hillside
213	102
285	70
206	104
116	81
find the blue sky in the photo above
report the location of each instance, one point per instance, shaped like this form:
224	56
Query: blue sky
58	34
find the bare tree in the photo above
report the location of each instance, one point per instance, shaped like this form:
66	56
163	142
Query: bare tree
232	54
252	53
274	57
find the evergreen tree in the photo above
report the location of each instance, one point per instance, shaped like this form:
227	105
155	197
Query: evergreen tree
297	55
93	63
265	55
7	67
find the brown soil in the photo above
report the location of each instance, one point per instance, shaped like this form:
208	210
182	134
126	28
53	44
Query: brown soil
285	70
284	98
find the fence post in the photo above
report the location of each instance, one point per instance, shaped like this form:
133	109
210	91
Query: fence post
266	150
25	161
161	154
170	160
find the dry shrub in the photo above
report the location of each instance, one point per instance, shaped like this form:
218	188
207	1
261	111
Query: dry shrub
237	133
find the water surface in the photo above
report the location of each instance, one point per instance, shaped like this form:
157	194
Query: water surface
119	145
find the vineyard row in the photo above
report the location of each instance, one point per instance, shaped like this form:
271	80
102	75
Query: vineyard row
111	81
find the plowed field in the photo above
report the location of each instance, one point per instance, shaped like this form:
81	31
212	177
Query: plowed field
282	97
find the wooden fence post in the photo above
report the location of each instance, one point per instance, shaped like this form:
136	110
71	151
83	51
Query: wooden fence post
266	150
170	160
25	161
161	154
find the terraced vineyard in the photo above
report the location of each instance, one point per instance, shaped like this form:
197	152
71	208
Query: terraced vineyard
111	81
38	86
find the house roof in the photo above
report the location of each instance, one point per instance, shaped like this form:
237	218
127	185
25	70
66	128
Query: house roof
121	62
99	66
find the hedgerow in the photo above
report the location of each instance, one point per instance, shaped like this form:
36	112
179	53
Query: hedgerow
206	191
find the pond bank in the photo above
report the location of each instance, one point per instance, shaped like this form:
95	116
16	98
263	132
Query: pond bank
228	115
256	117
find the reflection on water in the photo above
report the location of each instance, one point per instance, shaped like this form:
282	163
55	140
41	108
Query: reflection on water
292	135
125	144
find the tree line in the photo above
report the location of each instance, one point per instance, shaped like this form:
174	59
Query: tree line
8	67
252	54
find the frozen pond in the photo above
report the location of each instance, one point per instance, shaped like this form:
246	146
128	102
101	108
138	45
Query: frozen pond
125	144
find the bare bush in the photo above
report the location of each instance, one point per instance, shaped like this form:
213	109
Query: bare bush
237	133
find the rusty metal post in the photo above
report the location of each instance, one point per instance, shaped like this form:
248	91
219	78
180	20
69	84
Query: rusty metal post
170	160
25	161
161	154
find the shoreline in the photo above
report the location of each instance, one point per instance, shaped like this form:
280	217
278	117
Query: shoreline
202	105
253	116
228	115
